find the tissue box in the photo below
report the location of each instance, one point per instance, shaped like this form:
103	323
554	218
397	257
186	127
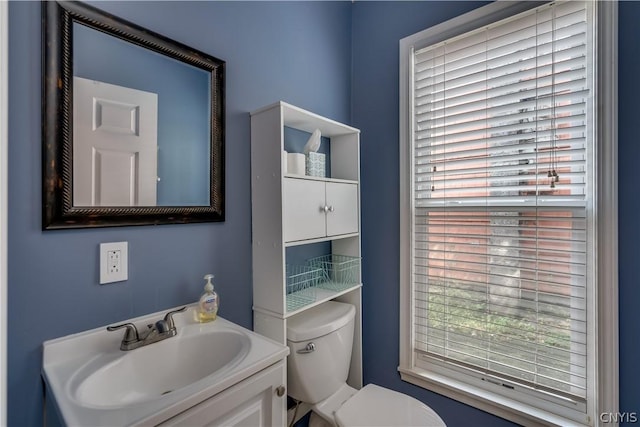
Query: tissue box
316	164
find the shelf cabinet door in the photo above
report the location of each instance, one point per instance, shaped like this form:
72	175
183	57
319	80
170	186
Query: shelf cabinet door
303	216
342	200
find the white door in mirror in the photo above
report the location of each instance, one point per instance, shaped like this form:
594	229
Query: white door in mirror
115	145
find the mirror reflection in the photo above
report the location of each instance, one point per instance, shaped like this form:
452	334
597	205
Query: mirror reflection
141	125
133	124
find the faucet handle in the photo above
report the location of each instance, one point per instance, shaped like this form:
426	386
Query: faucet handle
169	317
130	335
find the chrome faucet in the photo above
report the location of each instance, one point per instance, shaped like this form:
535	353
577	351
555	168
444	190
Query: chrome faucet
162	329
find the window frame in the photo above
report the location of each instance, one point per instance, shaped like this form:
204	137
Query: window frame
604	363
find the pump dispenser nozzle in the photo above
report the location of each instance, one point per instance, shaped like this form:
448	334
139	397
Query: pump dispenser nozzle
209	285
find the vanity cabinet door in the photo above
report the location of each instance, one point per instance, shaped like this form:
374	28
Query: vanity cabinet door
303	216
342	201
257	401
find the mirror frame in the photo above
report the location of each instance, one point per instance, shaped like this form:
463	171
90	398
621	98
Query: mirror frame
58	211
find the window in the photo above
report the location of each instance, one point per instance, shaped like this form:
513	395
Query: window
503	149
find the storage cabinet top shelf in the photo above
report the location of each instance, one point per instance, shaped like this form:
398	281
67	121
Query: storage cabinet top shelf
268	137
307	121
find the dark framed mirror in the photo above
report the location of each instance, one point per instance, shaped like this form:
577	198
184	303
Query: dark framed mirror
133	124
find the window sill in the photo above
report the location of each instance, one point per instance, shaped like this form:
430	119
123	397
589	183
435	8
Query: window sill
484	400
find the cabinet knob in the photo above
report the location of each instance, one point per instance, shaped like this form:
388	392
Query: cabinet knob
280	391
331	209
326	208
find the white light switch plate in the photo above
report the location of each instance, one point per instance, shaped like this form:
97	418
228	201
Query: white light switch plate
114	259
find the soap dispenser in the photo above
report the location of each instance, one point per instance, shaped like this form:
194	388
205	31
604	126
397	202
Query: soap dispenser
208	304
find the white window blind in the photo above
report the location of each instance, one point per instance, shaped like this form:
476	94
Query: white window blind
502	136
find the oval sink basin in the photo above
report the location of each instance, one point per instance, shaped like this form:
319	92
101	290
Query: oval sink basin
160	368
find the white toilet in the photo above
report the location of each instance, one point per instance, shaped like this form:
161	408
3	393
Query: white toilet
321	340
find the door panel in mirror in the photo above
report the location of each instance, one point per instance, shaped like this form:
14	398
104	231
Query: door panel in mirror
115	145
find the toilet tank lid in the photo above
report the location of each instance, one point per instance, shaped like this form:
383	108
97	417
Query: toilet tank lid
319	321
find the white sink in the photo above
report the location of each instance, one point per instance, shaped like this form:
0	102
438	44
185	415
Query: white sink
160	368
93	382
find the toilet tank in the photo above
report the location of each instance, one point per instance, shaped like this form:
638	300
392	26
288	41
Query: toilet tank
315	372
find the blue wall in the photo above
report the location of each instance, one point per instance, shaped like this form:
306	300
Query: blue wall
299	52
628	203
335	58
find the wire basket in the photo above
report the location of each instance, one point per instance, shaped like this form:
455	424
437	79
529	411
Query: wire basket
339	271
301	283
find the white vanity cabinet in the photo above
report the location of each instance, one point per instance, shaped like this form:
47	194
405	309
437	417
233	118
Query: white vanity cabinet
215	374
314	209
289	211
258	401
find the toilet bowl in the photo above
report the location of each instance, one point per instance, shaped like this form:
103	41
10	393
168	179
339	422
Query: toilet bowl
321	340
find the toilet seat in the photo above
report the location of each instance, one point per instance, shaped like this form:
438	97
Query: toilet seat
378	406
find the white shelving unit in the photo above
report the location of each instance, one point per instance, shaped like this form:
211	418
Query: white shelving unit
291	210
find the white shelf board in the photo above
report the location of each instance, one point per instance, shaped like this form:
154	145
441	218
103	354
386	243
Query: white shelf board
322	295
319	178
319	240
